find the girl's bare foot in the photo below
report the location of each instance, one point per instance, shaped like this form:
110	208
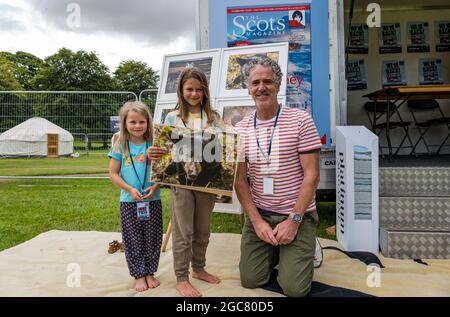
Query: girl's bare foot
205	276
141	284
186	289
151	281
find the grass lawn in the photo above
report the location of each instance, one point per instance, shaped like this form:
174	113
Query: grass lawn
30	207
95	163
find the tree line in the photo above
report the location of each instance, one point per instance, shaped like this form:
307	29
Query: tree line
72	71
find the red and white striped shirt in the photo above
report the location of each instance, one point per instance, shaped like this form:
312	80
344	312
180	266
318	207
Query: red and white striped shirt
295	133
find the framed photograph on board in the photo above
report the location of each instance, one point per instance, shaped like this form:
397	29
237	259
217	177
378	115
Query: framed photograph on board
234	110
227	204
161	111
207	61
233	82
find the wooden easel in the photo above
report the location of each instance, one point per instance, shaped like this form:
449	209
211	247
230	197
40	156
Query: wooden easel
166	237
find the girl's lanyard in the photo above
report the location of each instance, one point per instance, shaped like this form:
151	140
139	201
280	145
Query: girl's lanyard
201	120
142	207
134	168
268	182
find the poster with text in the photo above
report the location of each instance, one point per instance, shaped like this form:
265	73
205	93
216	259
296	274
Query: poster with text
430	71
442	34
359	39
281	23
418	37
389	38
356	75
393	73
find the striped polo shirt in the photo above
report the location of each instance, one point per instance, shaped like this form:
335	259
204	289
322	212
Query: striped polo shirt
295	133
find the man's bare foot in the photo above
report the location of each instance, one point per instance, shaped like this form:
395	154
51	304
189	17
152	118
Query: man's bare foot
186	289
205	276
151	281
141	284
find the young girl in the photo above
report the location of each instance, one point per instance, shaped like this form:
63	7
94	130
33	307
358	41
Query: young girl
191	210
140	202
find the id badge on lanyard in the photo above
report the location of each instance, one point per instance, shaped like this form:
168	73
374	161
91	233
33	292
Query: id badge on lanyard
143	210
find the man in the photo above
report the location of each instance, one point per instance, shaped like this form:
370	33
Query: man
276	184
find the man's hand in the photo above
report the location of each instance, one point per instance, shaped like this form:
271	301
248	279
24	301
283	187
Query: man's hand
265	232
286	231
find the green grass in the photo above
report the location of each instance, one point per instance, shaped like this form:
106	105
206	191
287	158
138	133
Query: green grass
85	164
30	207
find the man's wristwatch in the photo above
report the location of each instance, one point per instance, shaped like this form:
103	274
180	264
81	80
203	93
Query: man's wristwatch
296	217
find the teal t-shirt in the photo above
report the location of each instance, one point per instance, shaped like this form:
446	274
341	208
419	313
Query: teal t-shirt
137	153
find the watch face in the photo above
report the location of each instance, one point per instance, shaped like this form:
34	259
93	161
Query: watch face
297	218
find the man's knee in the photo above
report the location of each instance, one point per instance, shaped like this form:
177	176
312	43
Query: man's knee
250	280
296	290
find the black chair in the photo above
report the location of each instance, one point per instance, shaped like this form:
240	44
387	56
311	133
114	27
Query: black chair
429	105
375	111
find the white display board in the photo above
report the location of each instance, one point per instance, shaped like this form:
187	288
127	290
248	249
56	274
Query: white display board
357	221
230	101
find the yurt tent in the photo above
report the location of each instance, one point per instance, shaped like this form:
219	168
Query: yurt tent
36	137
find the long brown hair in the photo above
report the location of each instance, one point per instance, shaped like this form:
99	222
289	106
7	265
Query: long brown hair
140	108
183	106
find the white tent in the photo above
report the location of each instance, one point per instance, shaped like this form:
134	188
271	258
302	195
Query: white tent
30	139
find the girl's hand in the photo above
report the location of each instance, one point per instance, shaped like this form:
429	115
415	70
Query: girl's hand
135	194
155	153
150	191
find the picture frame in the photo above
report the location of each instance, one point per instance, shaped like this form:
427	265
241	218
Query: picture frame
161	110
207	61
233	110
232	81
228	205
202	160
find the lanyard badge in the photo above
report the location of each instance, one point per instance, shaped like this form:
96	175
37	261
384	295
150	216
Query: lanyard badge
143	210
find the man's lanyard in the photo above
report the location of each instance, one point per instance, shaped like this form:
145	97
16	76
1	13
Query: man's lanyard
134	168
201	119
271	137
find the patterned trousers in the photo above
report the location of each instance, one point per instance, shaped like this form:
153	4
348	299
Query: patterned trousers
142	238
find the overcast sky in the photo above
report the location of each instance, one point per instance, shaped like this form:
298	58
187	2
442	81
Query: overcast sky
116	30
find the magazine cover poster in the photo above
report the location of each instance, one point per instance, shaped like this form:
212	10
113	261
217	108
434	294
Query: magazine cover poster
393	73
269	24
430	71
203	160
389	38
418	37
356	75
442	34
359	39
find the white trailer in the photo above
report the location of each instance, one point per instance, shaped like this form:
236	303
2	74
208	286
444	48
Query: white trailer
335	87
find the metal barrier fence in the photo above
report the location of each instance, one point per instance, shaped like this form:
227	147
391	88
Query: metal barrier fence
85	114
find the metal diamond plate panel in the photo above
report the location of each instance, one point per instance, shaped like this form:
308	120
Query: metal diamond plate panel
414	181
415	245
415	214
